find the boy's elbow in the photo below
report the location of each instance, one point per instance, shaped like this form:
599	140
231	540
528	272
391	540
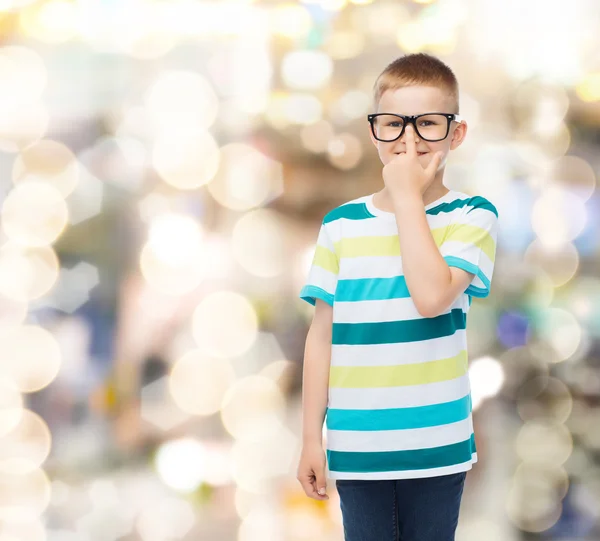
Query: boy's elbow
429	307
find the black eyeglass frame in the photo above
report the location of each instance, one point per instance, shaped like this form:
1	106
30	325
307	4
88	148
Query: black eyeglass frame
413	120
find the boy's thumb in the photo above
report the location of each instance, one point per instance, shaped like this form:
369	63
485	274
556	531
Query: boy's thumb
321	483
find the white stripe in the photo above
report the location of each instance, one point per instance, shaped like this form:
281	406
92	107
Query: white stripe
386	266
400	353
405	474
395	397
468	252
363	441
380	311
322	278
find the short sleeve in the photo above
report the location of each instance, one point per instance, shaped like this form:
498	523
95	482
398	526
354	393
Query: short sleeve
323	275
471	244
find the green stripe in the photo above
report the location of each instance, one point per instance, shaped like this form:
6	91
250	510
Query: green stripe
351	211
391	332
419	459
476	202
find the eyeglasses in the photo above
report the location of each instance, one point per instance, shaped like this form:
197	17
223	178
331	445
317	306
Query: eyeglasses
388	127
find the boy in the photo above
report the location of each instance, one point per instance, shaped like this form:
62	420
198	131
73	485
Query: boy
392	280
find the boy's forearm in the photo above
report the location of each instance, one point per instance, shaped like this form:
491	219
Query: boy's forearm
427	275
315	384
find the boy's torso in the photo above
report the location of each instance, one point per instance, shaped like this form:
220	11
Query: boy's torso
399	394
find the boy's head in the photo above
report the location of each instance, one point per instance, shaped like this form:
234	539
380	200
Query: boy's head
411	85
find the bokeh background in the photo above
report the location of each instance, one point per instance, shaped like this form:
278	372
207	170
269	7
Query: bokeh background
164	168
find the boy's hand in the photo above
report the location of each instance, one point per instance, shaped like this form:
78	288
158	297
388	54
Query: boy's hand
404	176
311	471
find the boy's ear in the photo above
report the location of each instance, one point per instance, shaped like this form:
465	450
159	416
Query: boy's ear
458	135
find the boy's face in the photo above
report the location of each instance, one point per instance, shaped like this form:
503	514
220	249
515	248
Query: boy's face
416	100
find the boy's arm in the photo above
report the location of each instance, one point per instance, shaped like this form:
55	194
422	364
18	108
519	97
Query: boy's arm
315	373
432	283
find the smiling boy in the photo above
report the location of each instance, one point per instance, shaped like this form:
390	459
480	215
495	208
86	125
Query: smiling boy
386	358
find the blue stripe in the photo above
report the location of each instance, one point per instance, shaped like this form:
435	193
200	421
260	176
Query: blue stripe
350	211
473	269
399	418
419	459
310	293
371	289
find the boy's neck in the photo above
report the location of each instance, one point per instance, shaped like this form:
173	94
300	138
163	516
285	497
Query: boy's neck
383	200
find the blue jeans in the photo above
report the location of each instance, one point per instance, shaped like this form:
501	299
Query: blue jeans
401	509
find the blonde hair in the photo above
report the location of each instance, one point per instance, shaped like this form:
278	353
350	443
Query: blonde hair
416	69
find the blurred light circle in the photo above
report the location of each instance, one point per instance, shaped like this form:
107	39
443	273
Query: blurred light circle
34	214
224	324
26	446
542	477
181	464
23	74
540	291
306	70
316	137
23	531
12	312
290	20
11	407
246	178
13	5
185	161
253	408
256	466
486	376
345	151
181	101
344	44
198	383
558	217
534	510
173	277
559	263
588	89
23	498
22	124
165	518
121	160
259	244
518	364
263	523
544	399
575	175
27	273
53	21
544	443
352	105
47	161
302	109
174	237
561	330
30	356
513	329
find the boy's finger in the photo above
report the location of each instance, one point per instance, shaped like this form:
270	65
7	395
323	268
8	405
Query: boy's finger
434	164
411	148
321	484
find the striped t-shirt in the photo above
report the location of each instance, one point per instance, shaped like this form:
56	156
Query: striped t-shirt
399	393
